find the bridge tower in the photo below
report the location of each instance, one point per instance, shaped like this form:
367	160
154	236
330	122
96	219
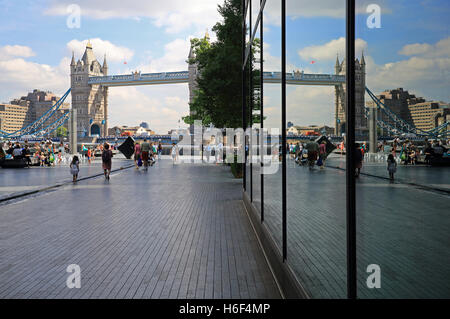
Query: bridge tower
89	101
361	128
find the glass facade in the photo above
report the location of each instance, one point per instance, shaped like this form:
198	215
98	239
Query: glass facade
342	227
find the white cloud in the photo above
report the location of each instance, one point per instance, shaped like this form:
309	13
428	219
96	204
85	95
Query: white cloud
161	106
324	8
174	59
440	49
114	53
9	51
329	50
20	76
172	15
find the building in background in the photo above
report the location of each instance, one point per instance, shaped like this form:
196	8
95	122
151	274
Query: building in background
25	110
412	109
144	125
14	117
310	130
130	130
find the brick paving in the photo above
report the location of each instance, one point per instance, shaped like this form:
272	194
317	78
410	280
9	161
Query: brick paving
171	232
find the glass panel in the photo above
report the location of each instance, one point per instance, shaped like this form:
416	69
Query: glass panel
248	166
316	202
403	224
256	5
256	104
272	118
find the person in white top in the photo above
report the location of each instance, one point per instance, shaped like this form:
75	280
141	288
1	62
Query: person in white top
174	153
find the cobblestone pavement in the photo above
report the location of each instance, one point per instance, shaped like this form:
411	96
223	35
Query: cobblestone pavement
172	232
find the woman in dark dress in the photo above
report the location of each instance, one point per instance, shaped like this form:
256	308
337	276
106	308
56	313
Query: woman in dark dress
107	160
358	159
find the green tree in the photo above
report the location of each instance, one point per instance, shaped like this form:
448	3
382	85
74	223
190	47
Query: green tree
218	100
61	132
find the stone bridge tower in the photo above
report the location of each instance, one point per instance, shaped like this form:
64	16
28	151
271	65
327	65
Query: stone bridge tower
89	101
361	125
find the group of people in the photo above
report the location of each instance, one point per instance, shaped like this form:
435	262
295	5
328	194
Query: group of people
107	156
144	154
45	153
311	153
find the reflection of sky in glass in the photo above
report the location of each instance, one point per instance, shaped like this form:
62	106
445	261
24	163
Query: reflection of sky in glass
410	50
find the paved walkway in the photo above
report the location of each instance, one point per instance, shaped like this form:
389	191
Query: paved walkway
171	232
17	181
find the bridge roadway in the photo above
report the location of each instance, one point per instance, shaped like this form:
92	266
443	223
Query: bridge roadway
171	232
295	78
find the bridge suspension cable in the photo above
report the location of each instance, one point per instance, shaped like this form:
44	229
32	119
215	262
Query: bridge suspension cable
34	127
400	124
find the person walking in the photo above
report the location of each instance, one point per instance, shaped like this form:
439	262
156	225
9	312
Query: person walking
391	167
208	152
174	153
75	168
160	149
137	154
107	160
145	149
358	159
322	154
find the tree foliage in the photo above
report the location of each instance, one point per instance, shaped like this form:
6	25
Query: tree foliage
218	99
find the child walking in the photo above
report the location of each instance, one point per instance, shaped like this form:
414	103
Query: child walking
75	168
392	166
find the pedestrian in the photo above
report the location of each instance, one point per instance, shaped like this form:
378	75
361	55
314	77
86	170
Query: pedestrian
75	168
137	155
174	153
313	152
160	149
145	149
107	160
322	154
358	159
391	167
208	152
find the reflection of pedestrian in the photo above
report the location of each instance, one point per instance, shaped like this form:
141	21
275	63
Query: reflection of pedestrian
322	154
313	152
358	159
208	152
392	166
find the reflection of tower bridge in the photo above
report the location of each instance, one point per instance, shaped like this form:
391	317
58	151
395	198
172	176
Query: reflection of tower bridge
90	82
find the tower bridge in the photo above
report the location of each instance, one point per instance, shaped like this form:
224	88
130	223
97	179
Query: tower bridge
90	83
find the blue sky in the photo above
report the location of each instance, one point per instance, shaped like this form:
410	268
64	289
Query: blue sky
409	50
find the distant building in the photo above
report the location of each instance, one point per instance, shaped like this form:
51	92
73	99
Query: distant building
130	130
35	105
14	117
414	110
144	125
312	129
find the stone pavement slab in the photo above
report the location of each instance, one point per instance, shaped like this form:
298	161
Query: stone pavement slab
172	232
